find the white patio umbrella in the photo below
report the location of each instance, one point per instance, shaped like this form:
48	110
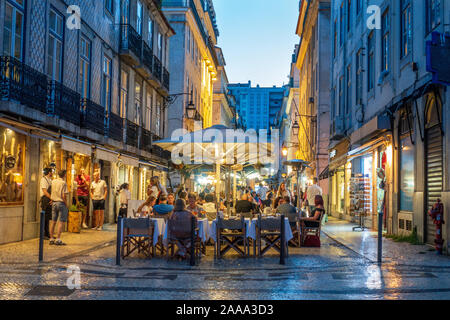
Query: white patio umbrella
221	146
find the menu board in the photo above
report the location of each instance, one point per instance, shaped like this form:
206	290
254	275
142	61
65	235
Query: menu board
360	196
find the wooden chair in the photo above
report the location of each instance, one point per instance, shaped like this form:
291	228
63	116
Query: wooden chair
269	230
138	235
231	232
314	229
179	231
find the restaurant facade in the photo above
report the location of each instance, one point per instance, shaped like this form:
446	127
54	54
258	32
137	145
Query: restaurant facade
75	107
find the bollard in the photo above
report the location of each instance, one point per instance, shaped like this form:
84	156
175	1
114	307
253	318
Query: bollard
41	237
119	240
380	236
192	260
282	244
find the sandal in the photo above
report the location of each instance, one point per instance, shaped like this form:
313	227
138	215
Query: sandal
60	243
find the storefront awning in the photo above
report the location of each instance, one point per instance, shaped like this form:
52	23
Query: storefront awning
372	128
76	146
107	155
368	147
129	161
325	173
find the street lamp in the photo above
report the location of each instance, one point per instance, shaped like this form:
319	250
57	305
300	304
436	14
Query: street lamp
284	151
295	128
191	111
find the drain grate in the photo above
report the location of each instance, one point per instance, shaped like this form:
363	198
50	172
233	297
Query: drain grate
50	291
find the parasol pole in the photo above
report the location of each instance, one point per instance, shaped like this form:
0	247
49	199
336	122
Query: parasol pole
228	191
234	189
298	189
217	184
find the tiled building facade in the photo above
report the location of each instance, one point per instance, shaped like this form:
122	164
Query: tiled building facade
91	97
387	113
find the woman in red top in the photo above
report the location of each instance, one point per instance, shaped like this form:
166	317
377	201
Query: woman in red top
83	181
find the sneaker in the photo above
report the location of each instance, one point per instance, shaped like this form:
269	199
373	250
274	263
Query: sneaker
85	226
99	228
59	243
52	242
94	228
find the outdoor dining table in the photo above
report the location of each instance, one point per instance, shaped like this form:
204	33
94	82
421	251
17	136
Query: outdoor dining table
203	231
160	227
213	228
251	229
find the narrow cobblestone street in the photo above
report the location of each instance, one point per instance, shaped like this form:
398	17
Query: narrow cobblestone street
340	269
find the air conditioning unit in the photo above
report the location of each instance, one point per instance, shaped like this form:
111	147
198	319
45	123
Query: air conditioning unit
405	226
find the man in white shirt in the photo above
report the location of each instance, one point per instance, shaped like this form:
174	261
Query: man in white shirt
311	193
60	211
45	196
99	193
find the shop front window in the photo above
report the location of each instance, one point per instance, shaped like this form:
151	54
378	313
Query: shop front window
406	174
12	158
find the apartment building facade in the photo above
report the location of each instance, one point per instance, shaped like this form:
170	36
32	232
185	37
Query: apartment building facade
193	61
257	106
388	114
80	91
312	111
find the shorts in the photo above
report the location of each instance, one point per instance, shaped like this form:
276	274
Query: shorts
59	210
98	205
83	200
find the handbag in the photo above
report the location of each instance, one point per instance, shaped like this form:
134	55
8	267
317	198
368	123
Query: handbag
45	201
312	241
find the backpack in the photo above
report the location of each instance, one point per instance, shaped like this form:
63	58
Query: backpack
45	201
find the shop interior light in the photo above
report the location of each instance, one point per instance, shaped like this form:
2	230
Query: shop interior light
284	151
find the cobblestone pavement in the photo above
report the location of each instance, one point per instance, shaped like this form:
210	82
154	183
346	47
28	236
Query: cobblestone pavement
334	271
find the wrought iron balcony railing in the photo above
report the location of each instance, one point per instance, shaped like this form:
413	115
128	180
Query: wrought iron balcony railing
157	68
132	131
146	140
115	127
166	79
22	83
64	103
130	40
147	57
93	116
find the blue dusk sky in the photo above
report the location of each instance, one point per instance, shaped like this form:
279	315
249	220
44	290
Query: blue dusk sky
257	38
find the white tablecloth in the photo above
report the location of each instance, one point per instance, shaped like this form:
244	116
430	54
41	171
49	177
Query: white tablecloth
203	230
287	229
160	229
213	228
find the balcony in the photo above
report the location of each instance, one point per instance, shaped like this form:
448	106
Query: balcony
22	83
166	79
115	127
64	103
147	57
93	116
132	132
146	140
131	41
157	68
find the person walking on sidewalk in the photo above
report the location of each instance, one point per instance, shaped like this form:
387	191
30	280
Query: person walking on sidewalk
124	197
60	211
99	193
45	190
83	181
